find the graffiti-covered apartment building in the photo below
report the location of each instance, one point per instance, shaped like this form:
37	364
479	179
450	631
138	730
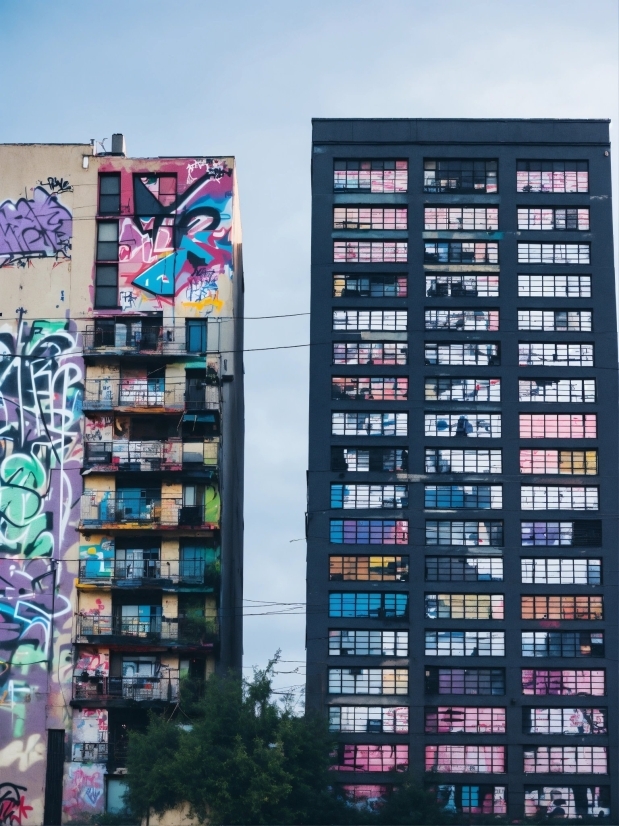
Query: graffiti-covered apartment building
121	449
462	558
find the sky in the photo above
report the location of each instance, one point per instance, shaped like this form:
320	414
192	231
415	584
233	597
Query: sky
244	78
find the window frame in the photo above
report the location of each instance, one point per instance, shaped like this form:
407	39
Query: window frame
400	562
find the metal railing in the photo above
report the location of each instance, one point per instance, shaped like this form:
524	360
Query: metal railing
138	337
170	454
99	508
140	689
108	393
90	752
197	631
190	571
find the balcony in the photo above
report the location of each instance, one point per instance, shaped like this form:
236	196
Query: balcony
194	631
102	509
139	338
90	752
98	689
151	455
147	393
150	572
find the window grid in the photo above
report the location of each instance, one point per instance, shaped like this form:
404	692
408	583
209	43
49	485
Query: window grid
465	759
464	568
554	497
562	462
354	643
447	460
552	176
565	759
387	320
460	175
373	758
544	682
575	801
478	799
369	532
467	353
554	355
467	719
552	391
561	571
461	218
368	568
562	644
479	497
561	607
370	286
462	320
469	533
463	252
466	681
472	425
555	321
464	606
462	390
370	352
369	459
369	424
370	252
465	643
370	719
374	218
369	388
373	605
462	286
558	425
369	496
554	253
554	286
378	681
540	720
378	176
553	218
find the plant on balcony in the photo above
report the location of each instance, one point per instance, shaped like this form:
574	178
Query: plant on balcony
195	627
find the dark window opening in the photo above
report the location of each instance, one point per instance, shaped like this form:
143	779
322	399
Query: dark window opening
106	286
109	193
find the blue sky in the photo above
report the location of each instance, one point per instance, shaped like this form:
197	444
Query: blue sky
195	77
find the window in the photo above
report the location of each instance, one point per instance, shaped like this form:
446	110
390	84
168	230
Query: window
562	607
473	425
106	286
554	497
440	460
368	681
369	388
461	320
109	193
107	241
370	252
369	424
554	218
376	218
465	643
388	320
462	390
374	604
471	681
565	759
466	719
464	606
368	643
465	353
555	355
471	533
370	719
461	218
566	462
464	568
552	176
482	799
195	332
465	759
480	497
370	286
370	352
539	720
563	682
462	286
379	758
581	533
562	644
367	794
368	568
554	253
368	459
368	532
557	321
561	571
464	252
567	801
558	425
554	286
574	391
460	175
371	175
369	496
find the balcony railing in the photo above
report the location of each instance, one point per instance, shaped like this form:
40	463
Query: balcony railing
90	752
150	455
140	338
163	688
109	393
191	631
188	571
101	508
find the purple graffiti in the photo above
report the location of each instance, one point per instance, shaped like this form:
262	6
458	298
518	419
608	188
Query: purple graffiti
34	228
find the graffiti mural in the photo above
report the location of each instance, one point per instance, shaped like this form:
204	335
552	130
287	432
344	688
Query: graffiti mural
13	808
37	227
83	793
